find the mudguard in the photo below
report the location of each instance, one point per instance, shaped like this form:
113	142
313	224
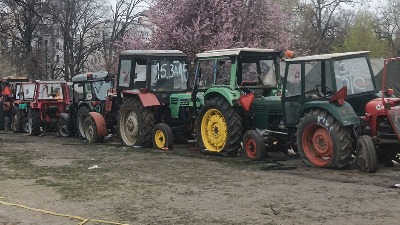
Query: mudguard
100	123
230	95
344	114
148	99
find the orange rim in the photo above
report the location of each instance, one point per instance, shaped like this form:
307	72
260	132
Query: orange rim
251	148
317	145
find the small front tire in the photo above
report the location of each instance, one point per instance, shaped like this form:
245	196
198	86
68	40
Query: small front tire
162	136
253	145
366	154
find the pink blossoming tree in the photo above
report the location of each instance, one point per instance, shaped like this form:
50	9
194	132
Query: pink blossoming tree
194	26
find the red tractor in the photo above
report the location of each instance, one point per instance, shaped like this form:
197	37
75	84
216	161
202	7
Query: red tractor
9	100
50	99
91	93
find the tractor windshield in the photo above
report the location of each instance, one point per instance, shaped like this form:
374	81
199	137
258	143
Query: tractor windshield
98	89
168	75
258	73
355	74
50	91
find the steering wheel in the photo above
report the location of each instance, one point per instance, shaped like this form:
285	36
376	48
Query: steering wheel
328	90
315	93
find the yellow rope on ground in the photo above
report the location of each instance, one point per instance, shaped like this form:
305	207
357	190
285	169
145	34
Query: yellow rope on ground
83	220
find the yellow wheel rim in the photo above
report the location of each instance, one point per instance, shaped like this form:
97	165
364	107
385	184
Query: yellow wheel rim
214	130
160	139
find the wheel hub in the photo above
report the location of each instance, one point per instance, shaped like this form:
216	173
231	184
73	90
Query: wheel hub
317	145
214	130
160	139
131	123
251	147
322	142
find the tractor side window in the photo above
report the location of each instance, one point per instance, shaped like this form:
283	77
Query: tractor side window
100	89
78	91
18	92
206	73
124	73
355	74
260	72
28	91
293	83
223	72
312	76
50	91
328	75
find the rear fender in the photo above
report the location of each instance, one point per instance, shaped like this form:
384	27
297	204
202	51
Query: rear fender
344	114
230	95
100	123
148	99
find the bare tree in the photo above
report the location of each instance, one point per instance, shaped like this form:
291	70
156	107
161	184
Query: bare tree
387	24
80	22
22	19
320	23
124	12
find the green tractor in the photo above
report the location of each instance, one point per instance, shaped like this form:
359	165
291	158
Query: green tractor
333	104
239	92
154	98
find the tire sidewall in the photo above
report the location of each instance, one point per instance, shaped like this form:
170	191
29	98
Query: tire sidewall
80	124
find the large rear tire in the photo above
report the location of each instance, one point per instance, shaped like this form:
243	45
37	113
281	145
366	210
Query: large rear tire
219	127
253	145
135	123
366	154
34	122
322	142
17	118
81	115
162	136
91	132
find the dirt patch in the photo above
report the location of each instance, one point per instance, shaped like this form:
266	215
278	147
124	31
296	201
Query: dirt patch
149	186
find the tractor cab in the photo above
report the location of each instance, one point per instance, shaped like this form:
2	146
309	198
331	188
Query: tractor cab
241	69
91	86
160	72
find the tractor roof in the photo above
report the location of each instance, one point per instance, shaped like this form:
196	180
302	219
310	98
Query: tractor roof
14	79
234	51
326	56
50	81
153	53
94	76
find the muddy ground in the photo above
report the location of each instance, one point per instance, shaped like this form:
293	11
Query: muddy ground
181	186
